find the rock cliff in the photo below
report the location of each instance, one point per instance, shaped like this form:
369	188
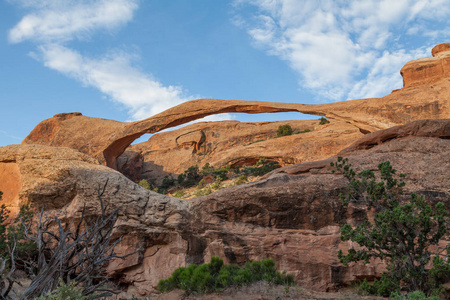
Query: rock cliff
293	215
425	95
234	143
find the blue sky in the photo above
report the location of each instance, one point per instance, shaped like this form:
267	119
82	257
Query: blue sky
129	59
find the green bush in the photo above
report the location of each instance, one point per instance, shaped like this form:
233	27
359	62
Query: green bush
190	177
263	166
215	276
284	130
323	121
401	233
179	194
145	184
416	295
167	183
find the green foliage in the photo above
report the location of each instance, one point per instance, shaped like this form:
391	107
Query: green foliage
190	177
145	184
167	182
12	237
383	287
416	295
401	233
284	130
263	166
207	169
64	292
241	179
215	276
217	184
179	193
203	192
323	121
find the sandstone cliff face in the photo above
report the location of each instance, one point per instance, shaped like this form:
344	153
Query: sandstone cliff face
426	95
428	70
293	215
235	143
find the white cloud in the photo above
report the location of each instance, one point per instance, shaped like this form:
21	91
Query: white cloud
66	20
52	24
339	47
114	75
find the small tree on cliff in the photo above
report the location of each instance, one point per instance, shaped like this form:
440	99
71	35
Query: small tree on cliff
401	233
284	130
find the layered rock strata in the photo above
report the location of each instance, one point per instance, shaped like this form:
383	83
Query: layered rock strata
425	95
234	143
293	215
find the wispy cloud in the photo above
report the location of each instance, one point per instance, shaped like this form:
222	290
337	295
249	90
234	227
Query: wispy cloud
338	47
114	75
52	25
51	21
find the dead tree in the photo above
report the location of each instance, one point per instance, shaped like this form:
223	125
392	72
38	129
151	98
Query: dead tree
78	252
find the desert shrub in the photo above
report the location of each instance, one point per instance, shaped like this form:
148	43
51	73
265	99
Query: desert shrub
416	295
16	251
241	179
207	169
263	166
401	233
222	173
217	184
284	130
64	292
148	185
190	177
306	130
167	182
179	193
215	276
145	184
323	121
202	192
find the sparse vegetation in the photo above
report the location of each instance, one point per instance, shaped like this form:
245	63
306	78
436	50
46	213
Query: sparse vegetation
400	234
64	261
64	292
323	121
215	276
192	182
284	130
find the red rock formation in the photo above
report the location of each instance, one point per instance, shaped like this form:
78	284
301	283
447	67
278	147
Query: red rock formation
426	95
292	215
428	70
235	143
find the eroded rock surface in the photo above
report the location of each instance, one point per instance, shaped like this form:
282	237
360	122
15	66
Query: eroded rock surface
293	215
236	143
428	70
425	95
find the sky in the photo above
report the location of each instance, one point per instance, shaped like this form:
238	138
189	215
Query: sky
130	59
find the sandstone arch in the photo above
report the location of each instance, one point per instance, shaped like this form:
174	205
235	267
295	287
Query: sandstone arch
425	95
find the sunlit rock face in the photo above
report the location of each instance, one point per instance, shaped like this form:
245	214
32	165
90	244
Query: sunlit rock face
425	95
428	70
293	215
